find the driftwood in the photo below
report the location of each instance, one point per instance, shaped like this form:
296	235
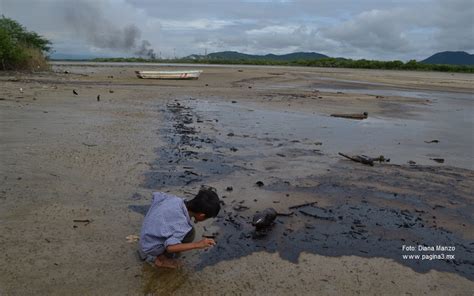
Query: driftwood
317	216
359	158
85	221
303	205
381	158
82	220
352	116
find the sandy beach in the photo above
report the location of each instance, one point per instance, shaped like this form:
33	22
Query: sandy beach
78	171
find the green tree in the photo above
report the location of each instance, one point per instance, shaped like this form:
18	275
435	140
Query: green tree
20	48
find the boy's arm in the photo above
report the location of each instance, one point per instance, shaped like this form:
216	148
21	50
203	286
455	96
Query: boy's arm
202	244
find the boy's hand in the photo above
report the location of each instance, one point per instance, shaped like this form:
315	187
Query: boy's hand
205	243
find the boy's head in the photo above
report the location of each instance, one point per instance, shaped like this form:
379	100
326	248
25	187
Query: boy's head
204	205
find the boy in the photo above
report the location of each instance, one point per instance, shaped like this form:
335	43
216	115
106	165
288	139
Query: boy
167	227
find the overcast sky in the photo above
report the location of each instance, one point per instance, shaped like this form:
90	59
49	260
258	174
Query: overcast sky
370	29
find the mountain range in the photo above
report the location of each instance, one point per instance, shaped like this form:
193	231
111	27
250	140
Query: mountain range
441	58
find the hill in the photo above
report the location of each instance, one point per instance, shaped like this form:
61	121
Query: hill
451	58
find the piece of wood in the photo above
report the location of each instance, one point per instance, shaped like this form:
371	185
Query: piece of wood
352	116
317	216
359	158
303	205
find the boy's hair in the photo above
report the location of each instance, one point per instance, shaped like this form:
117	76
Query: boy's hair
206	202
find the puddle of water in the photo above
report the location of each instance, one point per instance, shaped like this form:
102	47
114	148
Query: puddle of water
403	93
448	118
400	140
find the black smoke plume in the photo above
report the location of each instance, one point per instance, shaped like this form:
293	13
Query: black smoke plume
145	50
88	21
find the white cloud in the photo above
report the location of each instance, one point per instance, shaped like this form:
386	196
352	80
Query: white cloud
275	30
375	30
196	24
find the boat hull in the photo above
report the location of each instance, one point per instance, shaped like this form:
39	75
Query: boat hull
179	75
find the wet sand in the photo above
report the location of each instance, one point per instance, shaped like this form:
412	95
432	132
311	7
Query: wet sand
67	157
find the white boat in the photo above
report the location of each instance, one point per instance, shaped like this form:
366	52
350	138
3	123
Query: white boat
182	74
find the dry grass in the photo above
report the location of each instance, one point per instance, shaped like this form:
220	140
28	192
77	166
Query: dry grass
34	61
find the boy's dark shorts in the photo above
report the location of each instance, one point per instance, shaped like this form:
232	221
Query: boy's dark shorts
151	259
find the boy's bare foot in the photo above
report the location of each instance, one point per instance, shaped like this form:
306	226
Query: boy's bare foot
163	261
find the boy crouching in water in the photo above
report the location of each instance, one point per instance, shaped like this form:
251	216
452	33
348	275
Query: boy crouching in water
167	227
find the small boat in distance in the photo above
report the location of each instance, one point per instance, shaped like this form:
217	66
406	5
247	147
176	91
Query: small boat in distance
182	74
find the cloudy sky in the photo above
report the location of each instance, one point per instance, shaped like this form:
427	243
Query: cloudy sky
372	29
